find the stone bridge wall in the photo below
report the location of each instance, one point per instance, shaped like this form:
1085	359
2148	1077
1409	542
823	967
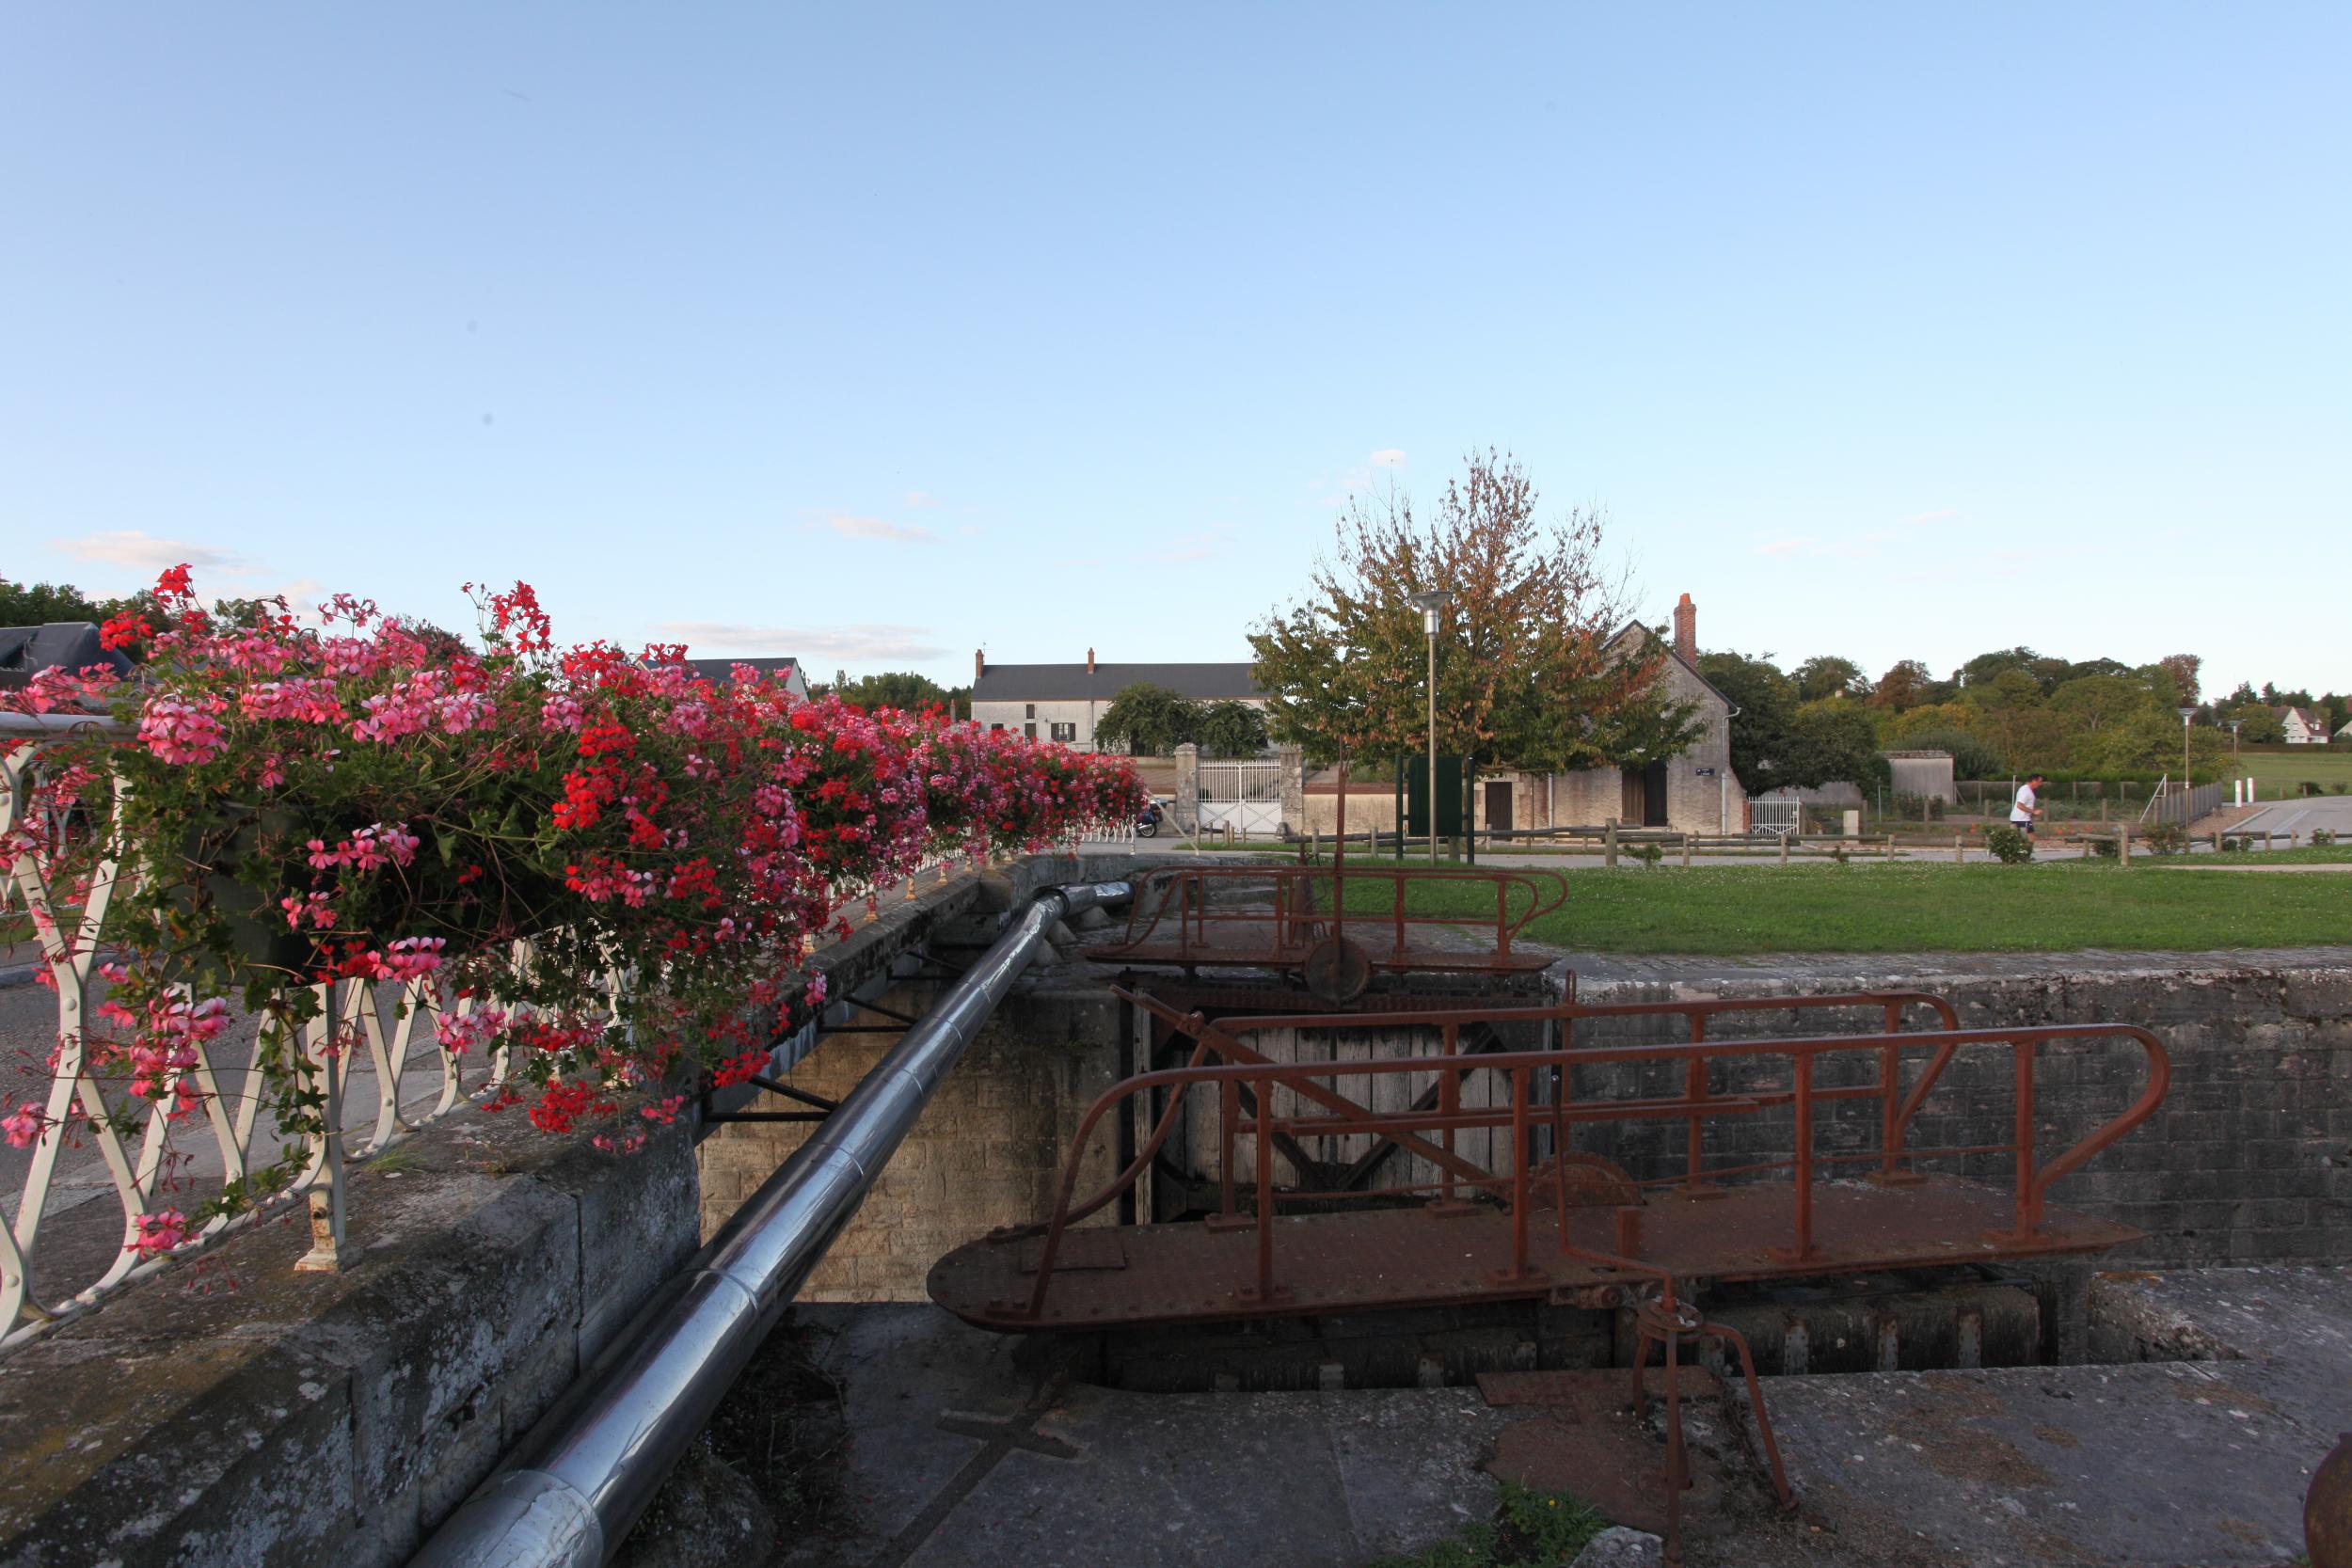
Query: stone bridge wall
229	1413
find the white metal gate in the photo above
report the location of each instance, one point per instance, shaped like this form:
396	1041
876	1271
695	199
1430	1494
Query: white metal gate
1772	817
1246	795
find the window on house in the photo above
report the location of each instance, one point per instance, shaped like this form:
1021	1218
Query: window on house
1031	714
1029	730
997	728
1066	733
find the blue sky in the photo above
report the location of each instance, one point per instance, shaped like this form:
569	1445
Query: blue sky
873	334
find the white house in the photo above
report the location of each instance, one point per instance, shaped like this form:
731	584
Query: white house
1061	702
2304	729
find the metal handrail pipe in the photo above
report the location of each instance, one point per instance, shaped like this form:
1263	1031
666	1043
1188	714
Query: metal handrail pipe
579	1481
43	726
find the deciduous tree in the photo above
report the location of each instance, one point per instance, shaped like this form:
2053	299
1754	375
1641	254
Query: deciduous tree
1527	676
1232	729
1150	721
1828	675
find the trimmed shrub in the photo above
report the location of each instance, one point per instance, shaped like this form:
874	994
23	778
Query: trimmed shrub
2008	846
2165	838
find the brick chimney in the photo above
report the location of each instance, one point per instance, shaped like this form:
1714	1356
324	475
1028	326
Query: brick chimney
1686	631
1089	661
979	663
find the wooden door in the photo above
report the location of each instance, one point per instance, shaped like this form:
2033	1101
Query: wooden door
1654	795
1498	819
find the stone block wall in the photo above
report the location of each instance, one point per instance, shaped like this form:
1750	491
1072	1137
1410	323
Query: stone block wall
238	1414
2248	1159
988	1150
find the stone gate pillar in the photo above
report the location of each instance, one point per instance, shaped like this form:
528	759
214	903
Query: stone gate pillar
1292	761
1188	788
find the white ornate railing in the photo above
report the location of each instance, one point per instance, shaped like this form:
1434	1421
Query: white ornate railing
151	1172
182	1152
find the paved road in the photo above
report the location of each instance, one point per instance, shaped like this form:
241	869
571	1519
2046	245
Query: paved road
2332	812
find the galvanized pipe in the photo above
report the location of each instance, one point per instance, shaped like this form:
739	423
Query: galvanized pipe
573	1487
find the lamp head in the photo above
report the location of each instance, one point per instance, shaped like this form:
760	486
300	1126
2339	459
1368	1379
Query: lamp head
1429	603
2188	714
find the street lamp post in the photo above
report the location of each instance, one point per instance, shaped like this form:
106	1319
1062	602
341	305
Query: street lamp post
2233	724
1430	605
2186	714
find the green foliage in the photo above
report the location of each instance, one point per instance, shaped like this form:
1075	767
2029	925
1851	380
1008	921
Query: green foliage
902	690
2257	724
38	604
1909	685
1916	907
2009	846
41	603
1150	721
2104	848
2092	702
1908	806
1232	729
1779	741
1649	854
1531	1530
2230	846
1987	669
2165	838
1834	742
1767	701
2323	837
1527	674
1826	676
1972	756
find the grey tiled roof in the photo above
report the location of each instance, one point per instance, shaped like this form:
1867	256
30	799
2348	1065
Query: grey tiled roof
1062	683
722	669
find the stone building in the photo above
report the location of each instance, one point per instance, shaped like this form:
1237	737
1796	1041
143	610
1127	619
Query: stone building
1693	792
1061	702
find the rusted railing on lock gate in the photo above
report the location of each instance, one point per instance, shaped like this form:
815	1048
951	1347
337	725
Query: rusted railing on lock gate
1183	914
1246	1068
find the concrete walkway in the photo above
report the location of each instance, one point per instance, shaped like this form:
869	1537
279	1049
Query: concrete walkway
965	1455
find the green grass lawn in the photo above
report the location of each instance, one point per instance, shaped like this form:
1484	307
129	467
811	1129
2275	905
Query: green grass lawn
1866	908
2282	771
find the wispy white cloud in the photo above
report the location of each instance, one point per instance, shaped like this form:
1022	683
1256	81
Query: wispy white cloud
864	644
921	498
851	527
1862	546
1196	546
1387	457
142	551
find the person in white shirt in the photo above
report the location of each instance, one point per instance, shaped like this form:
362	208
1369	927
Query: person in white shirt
2027	805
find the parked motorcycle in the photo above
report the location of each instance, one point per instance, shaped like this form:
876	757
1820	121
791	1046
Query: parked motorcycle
1148	825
